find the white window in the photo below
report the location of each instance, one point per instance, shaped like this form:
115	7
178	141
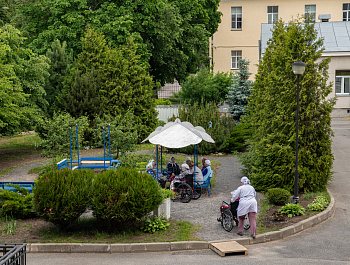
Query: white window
235	57
342	83
236	17
310	13
272	14
346	12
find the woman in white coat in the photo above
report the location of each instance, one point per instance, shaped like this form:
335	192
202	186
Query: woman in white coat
247	205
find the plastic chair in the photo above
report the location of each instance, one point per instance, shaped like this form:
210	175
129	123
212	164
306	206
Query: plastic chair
206	184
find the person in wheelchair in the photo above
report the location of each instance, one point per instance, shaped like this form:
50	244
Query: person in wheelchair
181	177
247	205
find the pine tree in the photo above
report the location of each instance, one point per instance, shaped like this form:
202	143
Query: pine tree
272	113
61	60
239	91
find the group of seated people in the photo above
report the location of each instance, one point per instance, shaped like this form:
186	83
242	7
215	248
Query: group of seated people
175	174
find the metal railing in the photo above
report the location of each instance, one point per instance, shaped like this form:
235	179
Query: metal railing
13	254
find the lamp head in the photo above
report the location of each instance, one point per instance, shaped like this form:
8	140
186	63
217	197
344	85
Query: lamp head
298	67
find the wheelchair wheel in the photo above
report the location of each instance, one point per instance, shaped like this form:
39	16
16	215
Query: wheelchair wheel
246	223
197	191
227	219
185	192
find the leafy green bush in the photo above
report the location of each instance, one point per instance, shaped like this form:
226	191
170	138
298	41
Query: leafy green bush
237	140
278	196
122	196
206	87
318	204
18	205
155	224
60	197
55	134
162	101
124	132
167	193
217	126
291	210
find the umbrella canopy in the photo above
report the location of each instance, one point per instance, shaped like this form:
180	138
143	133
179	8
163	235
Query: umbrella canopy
178	134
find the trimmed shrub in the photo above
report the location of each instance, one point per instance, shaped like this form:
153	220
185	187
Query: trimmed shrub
60	197
18	205
123	196
278	196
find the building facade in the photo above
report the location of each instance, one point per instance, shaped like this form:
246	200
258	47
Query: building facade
245	27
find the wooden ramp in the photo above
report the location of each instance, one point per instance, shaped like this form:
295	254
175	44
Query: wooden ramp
228	248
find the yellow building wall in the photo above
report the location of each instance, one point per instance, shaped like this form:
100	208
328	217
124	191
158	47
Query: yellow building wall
254	13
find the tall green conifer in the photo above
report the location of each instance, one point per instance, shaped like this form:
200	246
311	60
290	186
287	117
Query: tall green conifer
272	112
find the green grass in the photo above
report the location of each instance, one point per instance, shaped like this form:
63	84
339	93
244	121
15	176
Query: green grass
20	141
89	230
36	170
146	147
265	205
5	171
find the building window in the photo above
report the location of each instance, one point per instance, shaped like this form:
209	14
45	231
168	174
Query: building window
342	83
272	14
235	57
310	13
346	12
236	17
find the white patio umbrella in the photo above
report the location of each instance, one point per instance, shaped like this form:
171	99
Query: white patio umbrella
178	134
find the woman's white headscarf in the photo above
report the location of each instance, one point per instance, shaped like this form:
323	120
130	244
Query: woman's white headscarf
207	162
185	166
150	165
245	180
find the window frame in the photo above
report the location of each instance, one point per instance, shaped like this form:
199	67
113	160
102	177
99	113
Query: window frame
346	11
342	76
309	12
235	58
272	14
236	18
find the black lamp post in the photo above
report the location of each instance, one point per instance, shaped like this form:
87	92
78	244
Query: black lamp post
298	69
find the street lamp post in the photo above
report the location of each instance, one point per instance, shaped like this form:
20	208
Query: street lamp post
298	69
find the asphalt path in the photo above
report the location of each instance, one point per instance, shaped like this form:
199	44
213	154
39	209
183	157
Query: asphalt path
327	243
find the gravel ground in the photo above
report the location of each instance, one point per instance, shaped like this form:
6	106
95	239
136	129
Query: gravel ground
21	173
204	211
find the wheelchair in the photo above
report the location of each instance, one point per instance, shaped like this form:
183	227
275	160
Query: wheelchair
186	189
228	216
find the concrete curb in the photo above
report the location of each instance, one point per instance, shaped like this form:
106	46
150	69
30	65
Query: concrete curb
180	245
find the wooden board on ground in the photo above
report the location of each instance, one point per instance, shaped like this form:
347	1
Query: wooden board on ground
228	248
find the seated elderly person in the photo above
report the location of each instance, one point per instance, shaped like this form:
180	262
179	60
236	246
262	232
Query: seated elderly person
151	169
198	176
206	169
185	172
173	169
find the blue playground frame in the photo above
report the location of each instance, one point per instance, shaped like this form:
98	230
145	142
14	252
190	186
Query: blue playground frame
105	162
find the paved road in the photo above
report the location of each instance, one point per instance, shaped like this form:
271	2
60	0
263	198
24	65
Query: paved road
327	243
